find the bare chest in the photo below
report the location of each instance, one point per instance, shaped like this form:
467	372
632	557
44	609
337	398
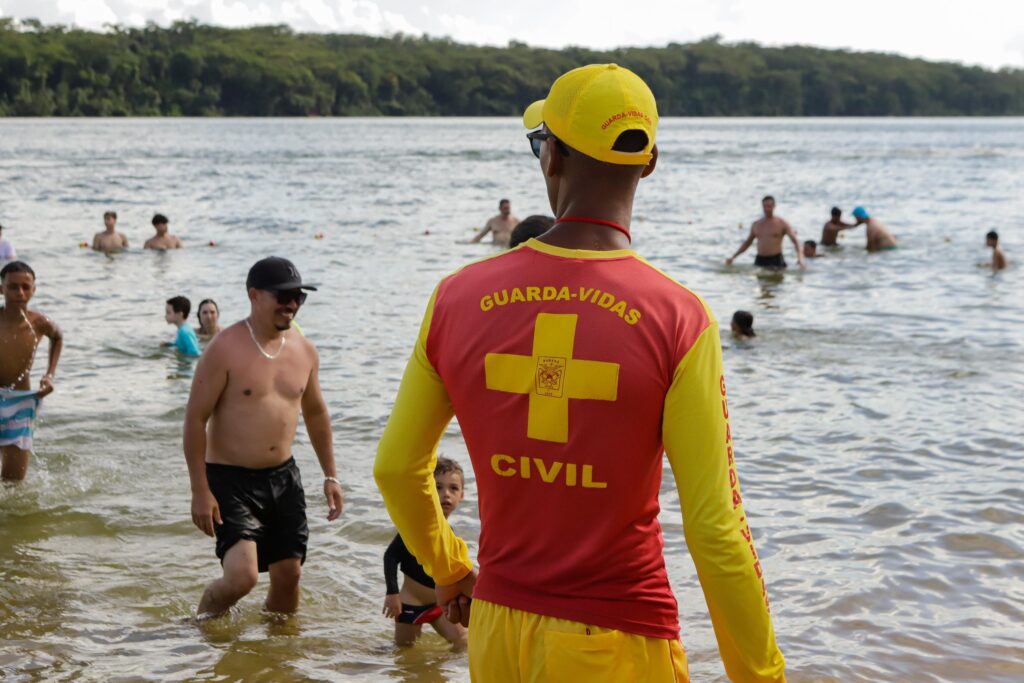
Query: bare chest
253	379
769	230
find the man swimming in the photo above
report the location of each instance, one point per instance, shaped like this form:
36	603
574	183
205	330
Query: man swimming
811	249
109	240
878	236
414	604
998	258
499	226
830	231
572	365
248	390
20	332
769	232
162	240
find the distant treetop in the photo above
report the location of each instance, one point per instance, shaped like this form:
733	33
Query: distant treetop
192	69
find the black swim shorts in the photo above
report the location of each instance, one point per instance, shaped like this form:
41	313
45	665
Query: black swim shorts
775	261
419	614
267	506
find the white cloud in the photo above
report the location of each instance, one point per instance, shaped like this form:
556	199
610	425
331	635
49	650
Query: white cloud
87	12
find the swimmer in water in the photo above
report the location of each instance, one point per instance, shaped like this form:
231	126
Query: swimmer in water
176	311
251	385
830	231
109	240
209	320
998	258
879	237
7	252
163	240
811	249
499	226
769	232
415	604
743	325
529	228
20	333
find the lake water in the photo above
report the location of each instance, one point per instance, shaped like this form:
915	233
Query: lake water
878	418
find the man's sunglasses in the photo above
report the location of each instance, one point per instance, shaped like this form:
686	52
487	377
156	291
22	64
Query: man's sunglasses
286	296
537	137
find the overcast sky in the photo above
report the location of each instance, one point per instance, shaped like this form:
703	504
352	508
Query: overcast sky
986	32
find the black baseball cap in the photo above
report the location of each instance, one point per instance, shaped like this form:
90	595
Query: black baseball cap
275	273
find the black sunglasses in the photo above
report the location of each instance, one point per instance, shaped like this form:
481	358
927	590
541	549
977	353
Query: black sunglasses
537	137
286	296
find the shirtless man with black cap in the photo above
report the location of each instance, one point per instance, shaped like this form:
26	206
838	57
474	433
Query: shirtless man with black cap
248	390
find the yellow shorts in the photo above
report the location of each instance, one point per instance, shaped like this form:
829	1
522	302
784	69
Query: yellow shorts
507	644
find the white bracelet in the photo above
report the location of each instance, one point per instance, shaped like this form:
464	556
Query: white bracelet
334	479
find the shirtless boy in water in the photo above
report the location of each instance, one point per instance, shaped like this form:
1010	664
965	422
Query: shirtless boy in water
109	239
769	232
248	390
500	226
830	231
20	333
162	240
415	604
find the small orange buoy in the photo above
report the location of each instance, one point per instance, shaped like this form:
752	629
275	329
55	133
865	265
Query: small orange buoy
83	244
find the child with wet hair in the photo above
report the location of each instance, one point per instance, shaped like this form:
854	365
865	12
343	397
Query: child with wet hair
743	325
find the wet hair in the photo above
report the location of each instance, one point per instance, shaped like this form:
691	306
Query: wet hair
110	214
199	308
1	228
767	198
503	202
448	466
992	235
836	212
17	267
180	304
811	243
745	321
528	228
160	218
630	141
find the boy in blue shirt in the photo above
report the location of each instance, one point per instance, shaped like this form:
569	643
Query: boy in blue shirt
176	313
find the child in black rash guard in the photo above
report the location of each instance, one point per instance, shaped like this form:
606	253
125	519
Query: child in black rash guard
414	604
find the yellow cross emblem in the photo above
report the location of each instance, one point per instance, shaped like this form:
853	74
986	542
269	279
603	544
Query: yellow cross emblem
551	376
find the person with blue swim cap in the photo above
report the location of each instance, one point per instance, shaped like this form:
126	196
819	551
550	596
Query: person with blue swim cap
879	237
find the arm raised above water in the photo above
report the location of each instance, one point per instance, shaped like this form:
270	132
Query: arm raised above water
404	468
698	442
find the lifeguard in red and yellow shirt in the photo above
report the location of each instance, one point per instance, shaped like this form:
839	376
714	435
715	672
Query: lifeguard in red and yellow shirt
572	365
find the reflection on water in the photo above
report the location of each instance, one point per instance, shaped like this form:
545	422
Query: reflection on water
877	415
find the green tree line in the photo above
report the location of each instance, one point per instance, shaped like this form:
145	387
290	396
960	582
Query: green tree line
189	69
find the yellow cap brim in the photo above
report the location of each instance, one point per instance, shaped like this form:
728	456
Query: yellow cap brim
534	115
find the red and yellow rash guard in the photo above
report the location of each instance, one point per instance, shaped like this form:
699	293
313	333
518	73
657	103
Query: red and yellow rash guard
570	373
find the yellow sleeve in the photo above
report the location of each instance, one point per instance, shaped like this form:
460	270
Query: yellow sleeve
404	468
698	442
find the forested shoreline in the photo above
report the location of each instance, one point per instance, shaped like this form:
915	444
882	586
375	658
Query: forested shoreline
189	69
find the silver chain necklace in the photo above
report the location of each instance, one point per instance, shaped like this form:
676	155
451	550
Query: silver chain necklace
31	358
258	346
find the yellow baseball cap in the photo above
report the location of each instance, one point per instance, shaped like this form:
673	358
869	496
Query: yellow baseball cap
589	107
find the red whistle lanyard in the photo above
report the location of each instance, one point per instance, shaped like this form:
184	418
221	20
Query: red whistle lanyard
596	221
